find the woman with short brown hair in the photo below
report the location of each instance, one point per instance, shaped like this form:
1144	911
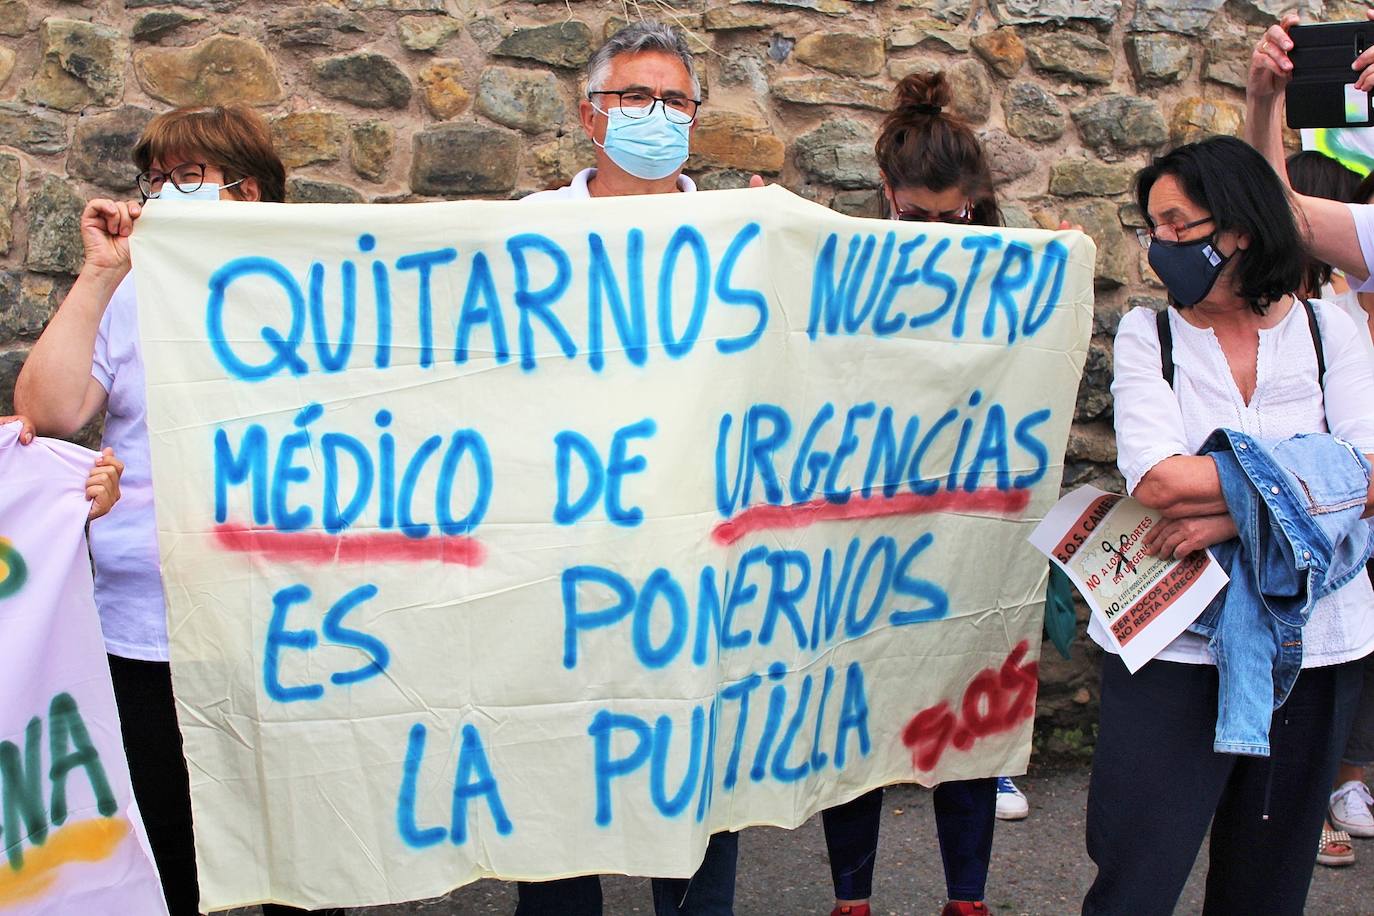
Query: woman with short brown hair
87	364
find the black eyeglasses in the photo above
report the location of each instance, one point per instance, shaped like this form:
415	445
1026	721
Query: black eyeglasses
1167	233
187	177
963	216
635	104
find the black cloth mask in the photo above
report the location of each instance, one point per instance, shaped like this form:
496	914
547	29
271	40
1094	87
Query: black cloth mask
1189	269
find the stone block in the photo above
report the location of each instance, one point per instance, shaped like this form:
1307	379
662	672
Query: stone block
308	137
1077	177
319	25
398	6
442	90
734	140
1099	220
971	90
218	70
14	18
1032	113
364	78
11	169
838	153
463	160
556	162
1121	122
1195	118
27	301
928	35
529	100
845	53
1095	389
1227	60
1185	17
1101	14
32	130
828	90
426	33
1071	54
370	151
54	226
101	147
735	17
1008	158
309	191
82	64
1002	49
565	44
7	58
1159	58
159	23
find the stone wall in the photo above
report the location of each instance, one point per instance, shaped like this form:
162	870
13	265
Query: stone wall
398	100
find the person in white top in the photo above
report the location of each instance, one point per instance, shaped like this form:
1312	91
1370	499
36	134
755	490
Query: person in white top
640	110
88	364
1341	234
1223	239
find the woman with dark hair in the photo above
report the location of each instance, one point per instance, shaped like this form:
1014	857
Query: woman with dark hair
1237	350
1318	175
933	170
87	365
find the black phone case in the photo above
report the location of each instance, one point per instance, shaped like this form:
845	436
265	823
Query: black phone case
1322	55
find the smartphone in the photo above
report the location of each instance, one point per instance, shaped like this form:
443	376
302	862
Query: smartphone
1323	93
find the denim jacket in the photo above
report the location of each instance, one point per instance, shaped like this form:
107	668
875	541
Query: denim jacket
1297	504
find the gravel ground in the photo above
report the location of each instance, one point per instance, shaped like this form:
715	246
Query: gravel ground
1039	867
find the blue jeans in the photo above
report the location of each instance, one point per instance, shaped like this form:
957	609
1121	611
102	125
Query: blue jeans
1157	784
709	892
965	815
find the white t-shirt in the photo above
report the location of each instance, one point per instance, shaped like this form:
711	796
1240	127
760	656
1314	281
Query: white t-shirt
578	189
128	576
1349	303
1154	422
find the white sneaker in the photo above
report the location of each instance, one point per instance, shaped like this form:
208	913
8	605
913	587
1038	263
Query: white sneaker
1350	805
1011	803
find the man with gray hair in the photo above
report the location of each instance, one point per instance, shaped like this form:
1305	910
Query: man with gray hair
640	108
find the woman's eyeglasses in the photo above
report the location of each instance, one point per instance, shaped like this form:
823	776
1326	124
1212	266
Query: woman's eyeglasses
187	177
1168	233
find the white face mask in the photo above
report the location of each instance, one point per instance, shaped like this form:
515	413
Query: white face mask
207	191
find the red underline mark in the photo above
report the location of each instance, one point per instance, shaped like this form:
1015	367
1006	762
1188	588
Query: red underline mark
320	547
983	501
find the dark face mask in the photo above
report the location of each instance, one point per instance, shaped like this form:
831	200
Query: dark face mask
1189	269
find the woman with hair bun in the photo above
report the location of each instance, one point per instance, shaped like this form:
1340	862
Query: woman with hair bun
933	170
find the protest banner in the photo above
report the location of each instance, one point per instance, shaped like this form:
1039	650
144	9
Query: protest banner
73	840
1143	602
1352	147
542	539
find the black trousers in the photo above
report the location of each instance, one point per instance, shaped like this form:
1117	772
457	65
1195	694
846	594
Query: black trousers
1157	784
152	743
709	892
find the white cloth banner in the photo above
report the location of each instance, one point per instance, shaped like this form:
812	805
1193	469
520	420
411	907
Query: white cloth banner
73	841
542	539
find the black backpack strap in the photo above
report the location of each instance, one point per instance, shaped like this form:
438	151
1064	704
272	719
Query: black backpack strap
1166	346
1316	342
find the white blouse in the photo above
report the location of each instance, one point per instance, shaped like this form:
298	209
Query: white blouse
1154	422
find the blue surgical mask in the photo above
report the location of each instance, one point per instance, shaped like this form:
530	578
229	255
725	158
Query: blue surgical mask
650	148
207	191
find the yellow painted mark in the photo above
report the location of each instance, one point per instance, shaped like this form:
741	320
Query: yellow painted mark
84	841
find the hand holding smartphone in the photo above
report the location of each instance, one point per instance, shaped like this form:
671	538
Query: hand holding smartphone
1323	93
